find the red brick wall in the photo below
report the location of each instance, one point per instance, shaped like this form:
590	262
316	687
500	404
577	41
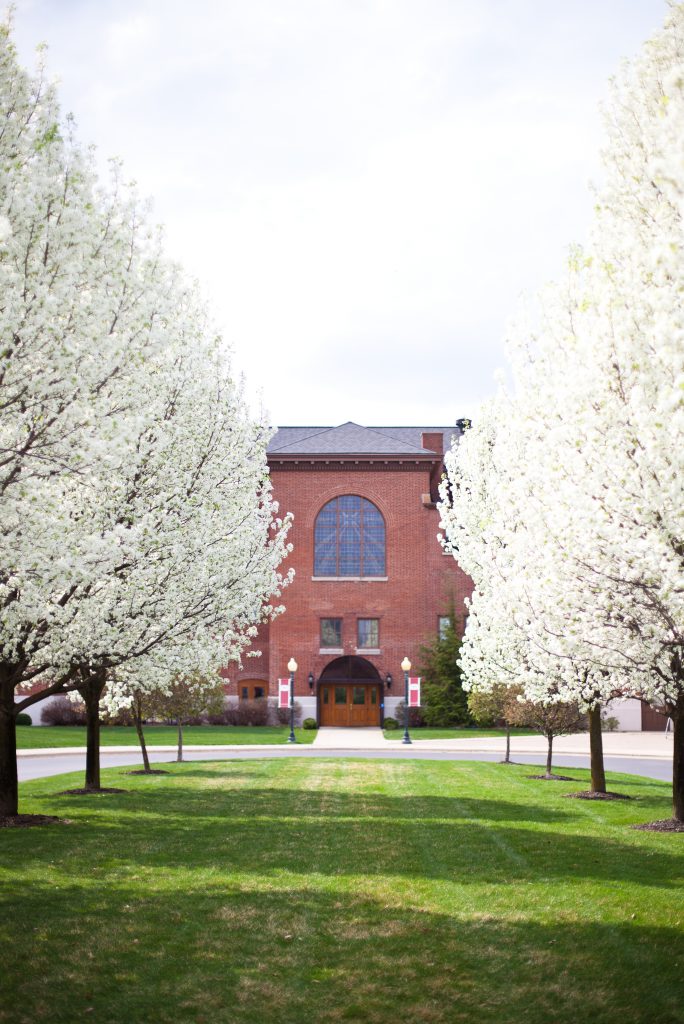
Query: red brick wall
421	581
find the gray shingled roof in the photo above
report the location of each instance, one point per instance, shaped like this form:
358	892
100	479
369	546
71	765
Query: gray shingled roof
351	438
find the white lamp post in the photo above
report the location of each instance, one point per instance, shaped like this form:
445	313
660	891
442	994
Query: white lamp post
406	666
292	668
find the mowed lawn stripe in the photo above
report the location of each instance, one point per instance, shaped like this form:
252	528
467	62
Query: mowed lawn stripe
333	890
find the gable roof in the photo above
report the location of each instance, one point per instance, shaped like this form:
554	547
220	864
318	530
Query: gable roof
353	439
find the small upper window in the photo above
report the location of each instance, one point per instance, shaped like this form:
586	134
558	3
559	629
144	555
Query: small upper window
369	633
331	633
444	623
349	538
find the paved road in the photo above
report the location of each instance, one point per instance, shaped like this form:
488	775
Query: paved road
39	767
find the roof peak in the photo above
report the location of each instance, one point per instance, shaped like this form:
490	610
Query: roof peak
351	438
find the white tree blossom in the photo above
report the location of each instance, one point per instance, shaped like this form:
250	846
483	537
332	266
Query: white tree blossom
580	557
138	525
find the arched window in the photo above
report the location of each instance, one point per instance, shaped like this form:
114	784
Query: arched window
349	538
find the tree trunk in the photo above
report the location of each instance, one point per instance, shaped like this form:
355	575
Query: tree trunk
507	758
549	753
91	689
598	774
137	718
179	756
678	760
9	789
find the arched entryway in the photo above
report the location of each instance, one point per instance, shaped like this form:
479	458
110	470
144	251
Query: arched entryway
349	693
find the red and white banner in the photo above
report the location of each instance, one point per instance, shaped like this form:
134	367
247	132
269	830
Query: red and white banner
414	691
283	693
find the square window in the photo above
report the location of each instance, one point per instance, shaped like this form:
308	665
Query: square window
331	632
369	633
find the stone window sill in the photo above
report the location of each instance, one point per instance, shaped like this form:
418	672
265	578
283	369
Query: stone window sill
331	650
349	579
368	650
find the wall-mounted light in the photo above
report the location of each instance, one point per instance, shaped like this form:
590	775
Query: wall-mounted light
388	680
311	680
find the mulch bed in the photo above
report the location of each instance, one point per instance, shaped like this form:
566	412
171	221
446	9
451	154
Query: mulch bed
141	771
89	792
552	778
589	794
664	825
30	820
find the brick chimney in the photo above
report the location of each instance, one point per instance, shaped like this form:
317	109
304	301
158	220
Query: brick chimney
433	442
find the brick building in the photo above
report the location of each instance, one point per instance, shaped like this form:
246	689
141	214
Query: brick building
371	580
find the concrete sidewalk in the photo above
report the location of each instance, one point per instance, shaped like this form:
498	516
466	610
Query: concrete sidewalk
370	738
620	744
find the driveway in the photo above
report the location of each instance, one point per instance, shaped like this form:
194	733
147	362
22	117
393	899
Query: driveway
629	753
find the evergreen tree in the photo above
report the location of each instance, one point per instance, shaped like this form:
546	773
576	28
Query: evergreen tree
445	704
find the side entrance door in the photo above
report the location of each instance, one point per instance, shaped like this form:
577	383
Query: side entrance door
350	704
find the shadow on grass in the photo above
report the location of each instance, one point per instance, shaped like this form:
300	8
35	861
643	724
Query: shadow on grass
297	804
231	954
458	839
243	772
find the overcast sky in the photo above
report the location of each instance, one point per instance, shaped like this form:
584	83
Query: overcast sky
364	188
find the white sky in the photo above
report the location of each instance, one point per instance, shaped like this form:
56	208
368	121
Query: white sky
363	187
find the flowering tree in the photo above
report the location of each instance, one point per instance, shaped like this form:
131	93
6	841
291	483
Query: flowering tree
138	523
202	541
585	541
69	315
519	613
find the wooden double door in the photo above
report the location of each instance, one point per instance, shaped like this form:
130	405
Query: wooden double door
350	704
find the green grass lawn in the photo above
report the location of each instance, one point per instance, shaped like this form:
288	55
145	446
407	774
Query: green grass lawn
32	736
342	891
424	733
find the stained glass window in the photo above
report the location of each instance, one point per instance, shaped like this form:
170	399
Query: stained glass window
349	538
